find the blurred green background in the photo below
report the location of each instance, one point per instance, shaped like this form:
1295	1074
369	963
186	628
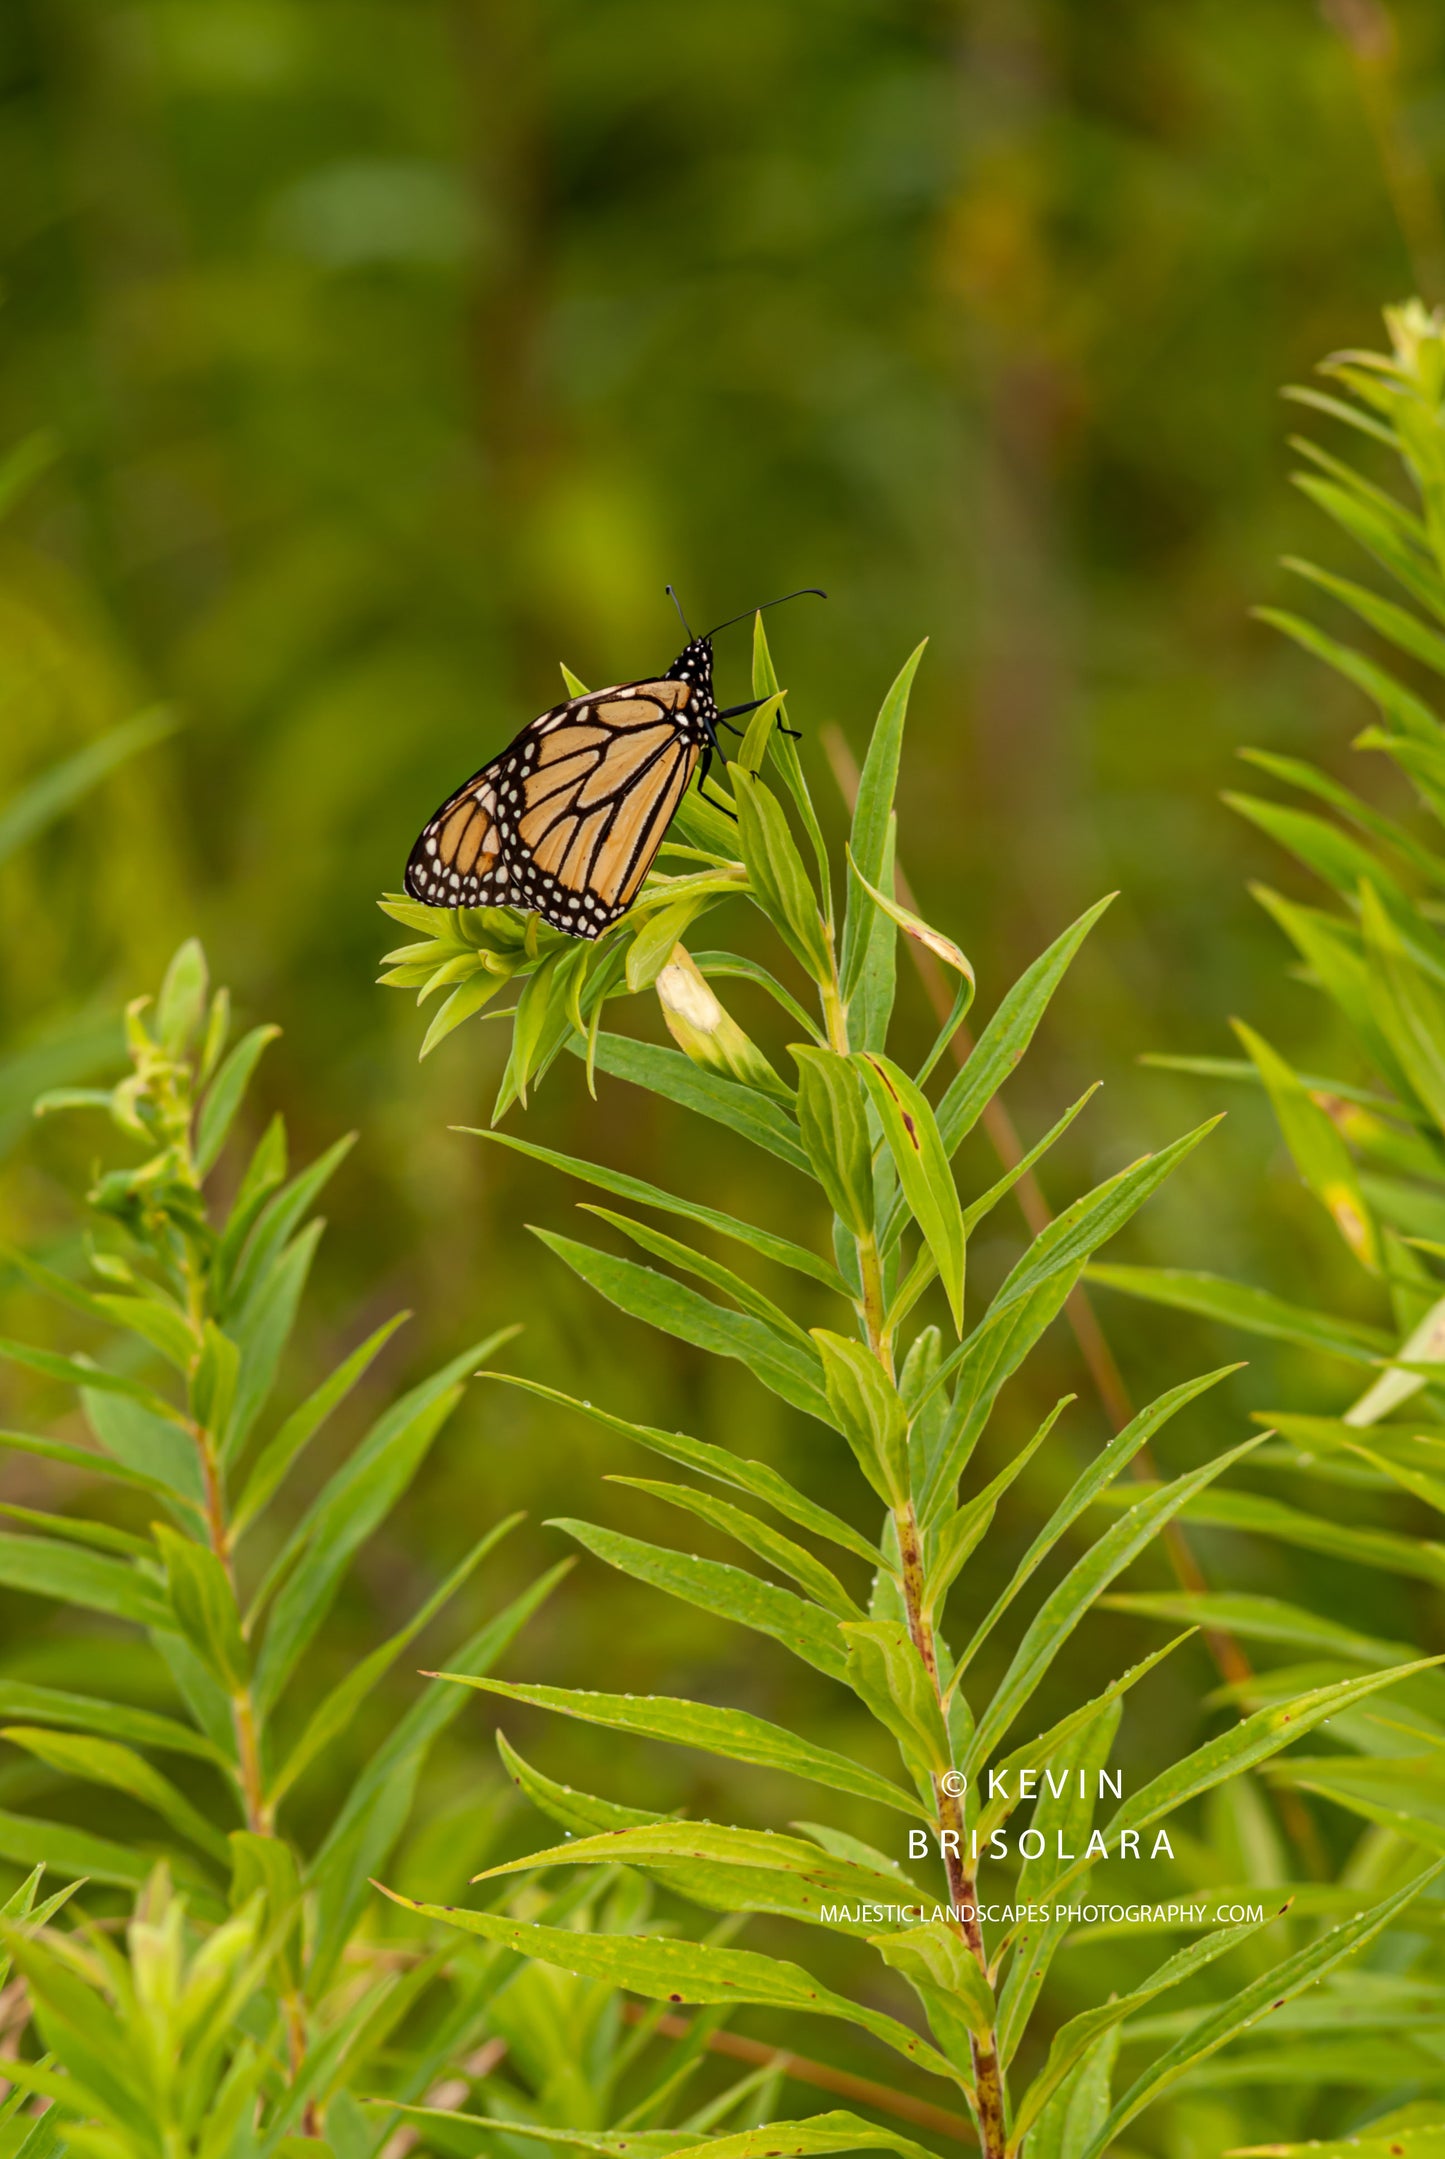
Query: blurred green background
392	353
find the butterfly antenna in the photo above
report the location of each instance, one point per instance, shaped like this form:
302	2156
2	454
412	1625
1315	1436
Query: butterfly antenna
672	595
804	592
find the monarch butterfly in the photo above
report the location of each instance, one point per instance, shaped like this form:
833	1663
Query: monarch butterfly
567	820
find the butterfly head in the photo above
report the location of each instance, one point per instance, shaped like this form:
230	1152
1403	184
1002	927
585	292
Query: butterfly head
693	666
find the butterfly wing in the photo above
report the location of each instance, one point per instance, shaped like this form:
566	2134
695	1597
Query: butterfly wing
568	819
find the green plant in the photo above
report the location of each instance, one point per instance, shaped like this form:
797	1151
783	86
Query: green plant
912	1410
1364	1482
226	1581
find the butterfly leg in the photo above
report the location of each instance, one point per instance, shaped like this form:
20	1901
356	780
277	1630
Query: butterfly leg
707	756
737	709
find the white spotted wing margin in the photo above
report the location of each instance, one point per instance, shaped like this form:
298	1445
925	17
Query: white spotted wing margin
567	820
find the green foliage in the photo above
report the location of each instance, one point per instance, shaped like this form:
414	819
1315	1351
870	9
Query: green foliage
231	2021
1369	1145
258	2002
877	1151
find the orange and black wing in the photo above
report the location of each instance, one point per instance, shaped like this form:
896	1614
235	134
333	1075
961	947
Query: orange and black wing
568	819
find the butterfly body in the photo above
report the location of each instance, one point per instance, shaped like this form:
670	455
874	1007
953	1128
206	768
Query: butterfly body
567	820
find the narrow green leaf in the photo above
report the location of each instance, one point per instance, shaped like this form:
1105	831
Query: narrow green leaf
465	1002
1253	1618
820	1583
933	1958
728	1592
442	1701
688	1260
1253	1740
958	1535
680	1311
44	1567
151	1446
832	2132
1266	1517
1079	1231
784	753
580	1813
1407	2143
814	1876
1048	1746
886	1672
781	1250
984	1205
1334	856
776	875
983	1363
833	1120
1398	704
1295	772
336	1710
668	1073
868	840
282	1449
1008	1034
719	1463
78	1529
261	1330
868	1411
226	1093
80	1372
736	967
1086	1580
1394	623
1245	2007
1409	1009
1074	2039
26	1840
203	1598
1319	1152
870	1008
922	1163
733	1733
106	1762
31	1704
923	933
277	1221
836	2131
678	1971
1254	1310
157	1321
348	1509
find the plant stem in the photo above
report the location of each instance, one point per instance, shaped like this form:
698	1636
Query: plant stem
987	2074
259	1811
962	1887
988	2078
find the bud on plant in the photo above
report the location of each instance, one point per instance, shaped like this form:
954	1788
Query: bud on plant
182	1003
707	1033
